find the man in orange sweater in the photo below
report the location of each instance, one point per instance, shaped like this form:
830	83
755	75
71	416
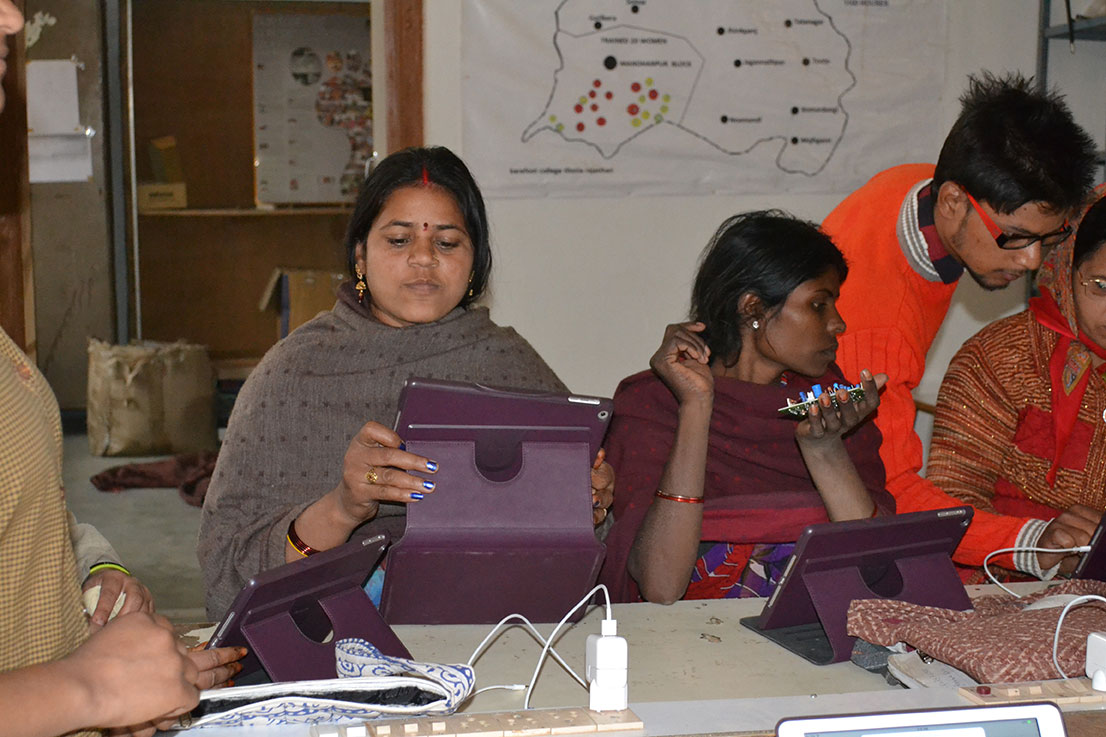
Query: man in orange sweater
1013	169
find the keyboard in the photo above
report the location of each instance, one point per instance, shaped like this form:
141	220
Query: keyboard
1070	691
526	723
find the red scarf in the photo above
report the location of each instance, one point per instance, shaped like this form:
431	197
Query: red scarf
1069	371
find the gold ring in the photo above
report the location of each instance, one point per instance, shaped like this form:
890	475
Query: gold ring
372	476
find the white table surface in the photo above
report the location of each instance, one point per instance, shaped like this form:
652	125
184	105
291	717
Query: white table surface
693	669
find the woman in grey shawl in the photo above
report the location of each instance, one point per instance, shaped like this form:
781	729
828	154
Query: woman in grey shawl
300	470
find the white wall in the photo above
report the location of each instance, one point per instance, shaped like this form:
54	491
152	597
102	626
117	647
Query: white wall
592	283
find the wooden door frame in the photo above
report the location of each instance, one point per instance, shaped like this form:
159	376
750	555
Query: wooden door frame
403	29
16	276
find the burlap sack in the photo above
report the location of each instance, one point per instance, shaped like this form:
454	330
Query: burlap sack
150	399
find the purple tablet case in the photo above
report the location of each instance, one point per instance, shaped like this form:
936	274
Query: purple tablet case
906	557
498	418
284	615
509	526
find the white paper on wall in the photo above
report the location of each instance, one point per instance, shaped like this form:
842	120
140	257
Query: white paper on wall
57	147
616	97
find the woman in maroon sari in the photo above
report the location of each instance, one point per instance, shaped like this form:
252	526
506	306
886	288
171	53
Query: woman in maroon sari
715	484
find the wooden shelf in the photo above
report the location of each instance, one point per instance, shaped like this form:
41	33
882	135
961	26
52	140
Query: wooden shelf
230	212
1087	29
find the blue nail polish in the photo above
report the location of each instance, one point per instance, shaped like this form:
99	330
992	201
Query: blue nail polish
431	466
416	496
403	446
428	485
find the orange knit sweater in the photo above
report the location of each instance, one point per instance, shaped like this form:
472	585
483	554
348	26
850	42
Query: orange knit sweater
892	314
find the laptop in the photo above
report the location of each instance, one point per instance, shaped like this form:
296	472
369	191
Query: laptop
290	616
509	527
1016	720
905	557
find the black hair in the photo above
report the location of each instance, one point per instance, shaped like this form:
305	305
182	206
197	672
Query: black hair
1014	143
436	166
1091	235
766	253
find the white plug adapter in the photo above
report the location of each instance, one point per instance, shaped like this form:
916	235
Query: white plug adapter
1096	660
607	669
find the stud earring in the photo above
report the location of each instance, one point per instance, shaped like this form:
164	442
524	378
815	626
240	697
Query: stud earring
471	274
756	324
361	286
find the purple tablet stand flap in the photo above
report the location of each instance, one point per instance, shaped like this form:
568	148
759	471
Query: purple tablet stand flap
476	550
288	655
929	580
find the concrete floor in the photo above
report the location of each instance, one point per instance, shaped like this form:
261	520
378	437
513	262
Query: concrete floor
153	530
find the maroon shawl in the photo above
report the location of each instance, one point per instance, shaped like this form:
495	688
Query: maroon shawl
757	486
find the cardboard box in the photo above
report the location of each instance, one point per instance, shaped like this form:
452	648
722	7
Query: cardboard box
297	295
162	196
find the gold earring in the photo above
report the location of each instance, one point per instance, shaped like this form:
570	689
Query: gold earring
361	285
471	274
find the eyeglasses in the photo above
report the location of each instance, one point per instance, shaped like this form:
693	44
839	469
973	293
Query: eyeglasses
1095	287
1016	242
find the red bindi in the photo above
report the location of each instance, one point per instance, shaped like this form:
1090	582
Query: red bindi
425	226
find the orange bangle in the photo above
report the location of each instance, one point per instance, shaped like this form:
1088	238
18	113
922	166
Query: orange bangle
678	498
298	545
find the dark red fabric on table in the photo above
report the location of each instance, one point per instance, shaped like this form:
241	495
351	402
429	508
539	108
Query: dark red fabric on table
757	490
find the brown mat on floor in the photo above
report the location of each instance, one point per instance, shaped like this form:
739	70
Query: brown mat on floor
189	473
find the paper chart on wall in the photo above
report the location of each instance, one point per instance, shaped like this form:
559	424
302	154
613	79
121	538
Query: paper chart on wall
616	97
312	106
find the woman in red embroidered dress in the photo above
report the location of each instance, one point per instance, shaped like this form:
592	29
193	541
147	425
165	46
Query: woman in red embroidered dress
1021	416
715	484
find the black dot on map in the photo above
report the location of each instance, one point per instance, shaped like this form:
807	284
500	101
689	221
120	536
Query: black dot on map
610	62
794	141
806	62
633	8
787	24
725	119
794	111
737	62
721	30
598	25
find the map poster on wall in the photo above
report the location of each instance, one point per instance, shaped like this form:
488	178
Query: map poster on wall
614	97
312	96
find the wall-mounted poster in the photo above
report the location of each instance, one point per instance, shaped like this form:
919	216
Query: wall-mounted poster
312	94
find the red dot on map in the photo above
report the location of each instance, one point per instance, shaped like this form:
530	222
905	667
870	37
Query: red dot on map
652	94
594	107
579	126
601	121
591	93
632	110
635	87
597	83
579	108
610	95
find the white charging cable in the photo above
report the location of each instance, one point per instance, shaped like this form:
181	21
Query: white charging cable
553	636
1000	551
1056	637
528	625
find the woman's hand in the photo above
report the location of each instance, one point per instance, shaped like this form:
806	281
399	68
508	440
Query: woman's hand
825	424
136	671
375	470
214	668
683	363
112	584
602	487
